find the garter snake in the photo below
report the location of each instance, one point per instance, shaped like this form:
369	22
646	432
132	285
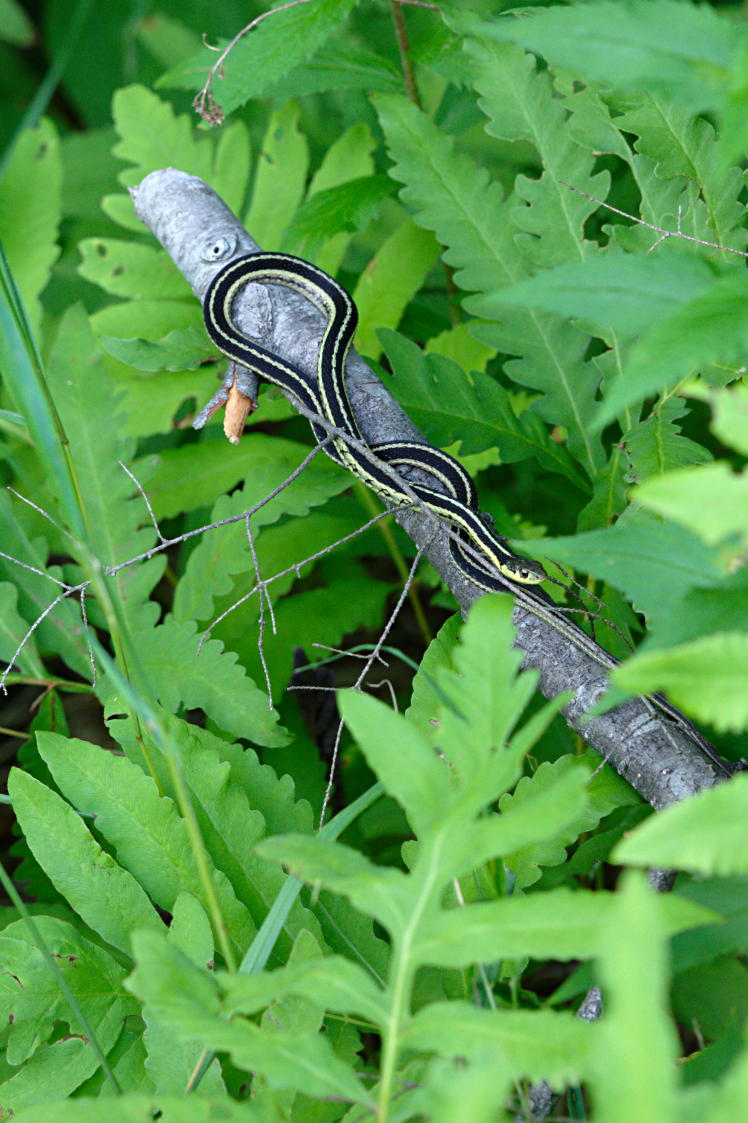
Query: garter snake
479	553
328	398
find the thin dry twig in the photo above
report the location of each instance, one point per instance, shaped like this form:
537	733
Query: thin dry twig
146	500
264	596
167	542
651	226
349	654
45	514
357	685
213	114
68	591
87	634
205	103
33	569
295	567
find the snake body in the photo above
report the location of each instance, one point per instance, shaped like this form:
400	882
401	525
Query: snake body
478	551
476	548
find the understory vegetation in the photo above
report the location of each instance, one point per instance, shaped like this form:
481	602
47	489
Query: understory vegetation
323	852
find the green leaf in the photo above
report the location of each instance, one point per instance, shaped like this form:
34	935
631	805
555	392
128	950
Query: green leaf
536	1044
106	897
89	171
190	929
487	696
175	485
262	58
30	213
60	630
154	137
656	445
128	269
166	38
681	49
712	501
170	1062
48	1064
354	68
401	758
535	825
556	924
702	834
225	551
212	679
378	891
13	628
617	291
636	1030
427	696
453	197
333	983
15	25
144	828
682	146
450	194
144	318
471	1091
653	563
236	802
391	279
83	393
705	678
324	615
188	1000
139	1108
348	158
280	178
183	349
709	328
460	345
729	413
474	409
348	206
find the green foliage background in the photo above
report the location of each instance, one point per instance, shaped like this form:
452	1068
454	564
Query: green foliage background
586	366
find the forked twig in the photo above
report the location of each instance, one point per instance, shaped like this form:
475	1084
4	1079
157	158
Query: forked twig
652	226
205	103
214	114
294	567
367	666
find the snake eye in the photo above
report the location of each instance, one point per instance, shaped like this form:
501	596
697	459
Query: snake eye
524	574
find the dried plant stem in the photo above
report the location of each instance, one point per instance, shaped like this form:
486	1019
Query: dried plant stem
401	34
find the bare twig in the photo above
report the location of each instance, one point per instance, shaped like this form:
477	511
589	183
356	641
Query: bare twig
214	114
264	596
68	591
205	103
357	684
87	634
34	569
45	514
295	567
146	500
651	226
167	542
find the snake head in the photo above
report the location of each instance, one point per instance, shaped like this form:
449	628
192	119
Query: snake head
528	572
